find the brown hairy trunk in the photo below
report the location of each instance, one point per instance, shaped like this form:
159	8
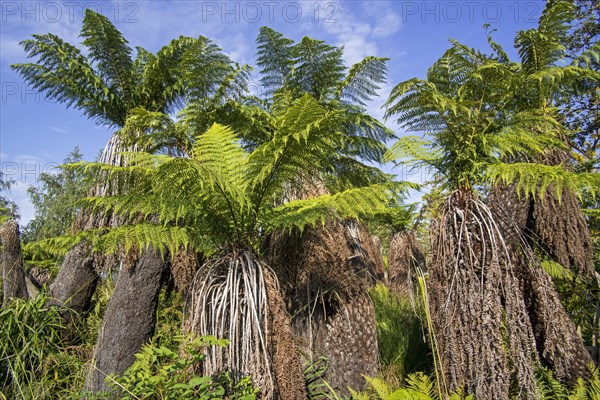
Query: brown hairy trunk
557	225
483	337
367	257
289	379
183	268
324	279
557	341
129	320
13	277
404	258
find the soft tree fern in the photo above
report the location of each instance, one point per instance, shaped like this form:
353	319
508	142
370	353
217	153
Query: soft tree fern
471	134
290	70
220	201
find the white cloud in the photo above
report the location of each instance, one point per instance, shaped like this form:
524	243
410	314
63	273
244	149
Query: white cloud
57	130
387	24
18	194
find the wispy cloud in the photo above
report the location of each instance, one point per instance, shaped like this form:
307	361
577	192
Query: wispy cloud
57	130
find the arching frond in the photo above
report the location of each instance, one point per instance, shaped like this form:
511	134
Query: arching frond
414	147
542	47
318	68
306	136
141	236
351	203
224	162
204	69
275	57
161	84
110	53
533	179
63	74
363	80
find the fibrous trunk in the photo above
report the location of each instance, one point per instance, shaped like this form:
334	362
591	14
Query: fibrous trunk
557	341
405	257
325	273
235	296
129	319
478	310
13	277
77	279
75	284
183	268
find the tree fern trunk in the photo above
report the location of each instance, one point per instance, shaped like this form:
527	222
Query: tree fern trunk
325	281
484	340
13	277
129	320
557	341
404	258
289	378
75	284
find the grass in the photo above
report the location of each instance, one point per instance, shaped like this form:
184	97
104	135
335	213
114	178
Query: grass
402	347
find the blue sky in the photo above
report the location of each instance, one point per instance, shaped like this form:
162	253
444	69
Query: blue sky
36	134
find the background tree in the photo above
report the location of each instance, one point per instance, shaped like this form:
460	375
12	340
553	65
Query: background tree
8	208
55	200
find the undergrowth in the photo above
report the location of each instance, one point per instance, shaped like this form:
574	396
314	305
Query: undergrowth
402	349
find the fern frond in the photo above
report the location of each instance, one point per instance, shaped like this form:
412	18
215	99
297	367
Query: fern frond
533	179
349	204
63	74
362	81
556	271
306	136
275	57
110	53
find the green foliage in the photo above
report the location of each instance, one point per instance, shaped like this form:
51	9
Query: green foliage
290	70
418	386
533	179
55	200
314	375
160	372
222	194
479	113
550	388
402	349
35	360
107	81
8	208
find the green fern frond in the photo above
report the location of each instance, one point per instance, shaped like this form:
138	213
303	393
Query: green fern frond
533	179
306	136
110	53
275	58
556	271
349	204
85	90
362	81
